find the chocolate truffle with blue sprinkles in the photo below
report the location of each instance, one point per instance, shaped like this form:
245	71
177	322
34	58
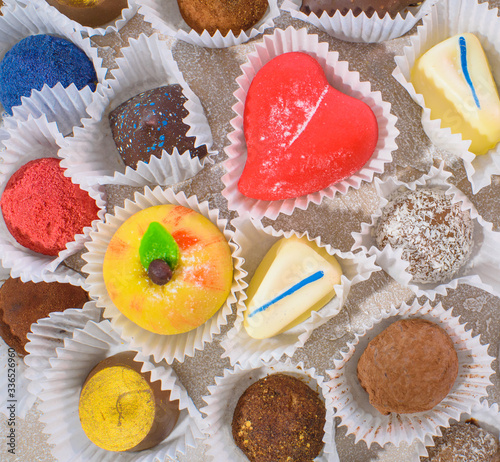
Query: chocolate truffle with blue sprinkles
150	122
42	59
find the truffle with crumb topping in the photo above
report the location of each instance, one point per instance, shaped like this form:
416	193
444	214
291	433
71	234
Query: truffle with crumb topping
279	418
436	235
222	15
465	442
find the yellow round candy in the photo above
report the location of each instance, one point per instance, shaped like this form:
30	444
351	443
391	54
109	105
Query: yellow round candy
117	408
201	281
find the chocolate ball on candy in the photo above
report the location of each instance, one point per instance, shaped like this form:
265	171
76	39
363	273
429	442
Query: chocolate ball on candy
159	272
159	253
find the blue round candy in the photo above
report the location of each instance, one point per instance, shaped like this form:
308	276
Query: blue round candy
42	59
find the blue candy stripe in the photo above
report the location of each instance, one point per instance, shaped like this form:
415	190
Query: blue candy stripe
308	280
465	70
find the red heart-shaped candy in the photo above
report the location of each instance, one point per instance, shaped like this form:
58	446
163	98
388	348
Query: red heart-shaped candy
302	134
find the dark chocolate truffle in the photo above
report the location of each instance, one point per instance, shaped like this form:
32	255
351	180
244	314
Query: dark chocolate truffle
279	418
122	409
42	59
152	121
222	15
43	209
23	303
436	235
381	7
410	367
465	442
92	13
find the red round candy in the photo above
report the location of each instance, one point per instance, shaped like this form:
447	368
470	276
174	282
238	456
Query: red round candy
43	209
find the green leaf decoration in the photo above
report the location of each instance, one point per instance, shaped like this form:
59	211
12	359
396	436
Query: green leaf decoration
158	244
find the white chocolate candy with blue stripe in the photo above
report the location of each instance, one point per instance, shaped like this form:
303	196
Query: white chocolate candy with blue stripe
455	80
294	278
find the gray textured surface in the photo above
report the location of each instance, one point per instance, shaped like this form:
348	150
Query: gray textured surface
334	220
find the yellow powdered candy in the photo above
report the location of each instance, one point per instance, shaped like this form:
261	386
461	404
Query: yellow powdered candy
117	408
455	80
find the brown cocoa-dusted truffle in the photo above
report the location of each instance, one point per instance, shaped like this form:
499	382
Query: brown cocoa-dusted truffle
381	7
23	303
121	409
222	15
465	441
436	236
410	367
279	418
150	122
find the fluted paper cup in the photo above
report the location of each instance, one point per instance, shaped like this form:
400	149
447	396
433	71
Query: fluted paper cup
113	26
487	417
368	424
48	334
167	347
255	242
224	395
164	16
362	28
29	140
18	22
20	374
449	18
61	392
339	77
91	155
479	271
64	106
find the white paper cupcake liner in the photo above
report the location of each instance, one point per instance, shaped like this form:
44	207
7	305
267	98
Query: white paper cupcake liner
368	424
488	418
223	397
61	392
361	28
16	400
64	106
26	390
480	271
91	155
167	347
449	18
34	139
255	242
339	77
112	26
48	334
18	22
164	16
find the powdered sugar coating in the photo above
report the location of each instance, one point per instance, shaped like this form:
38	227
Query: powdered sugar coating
436	236
465	442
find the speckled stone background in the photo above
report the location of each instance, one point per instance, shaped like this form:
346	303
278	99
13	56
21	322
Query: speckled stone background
211	75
